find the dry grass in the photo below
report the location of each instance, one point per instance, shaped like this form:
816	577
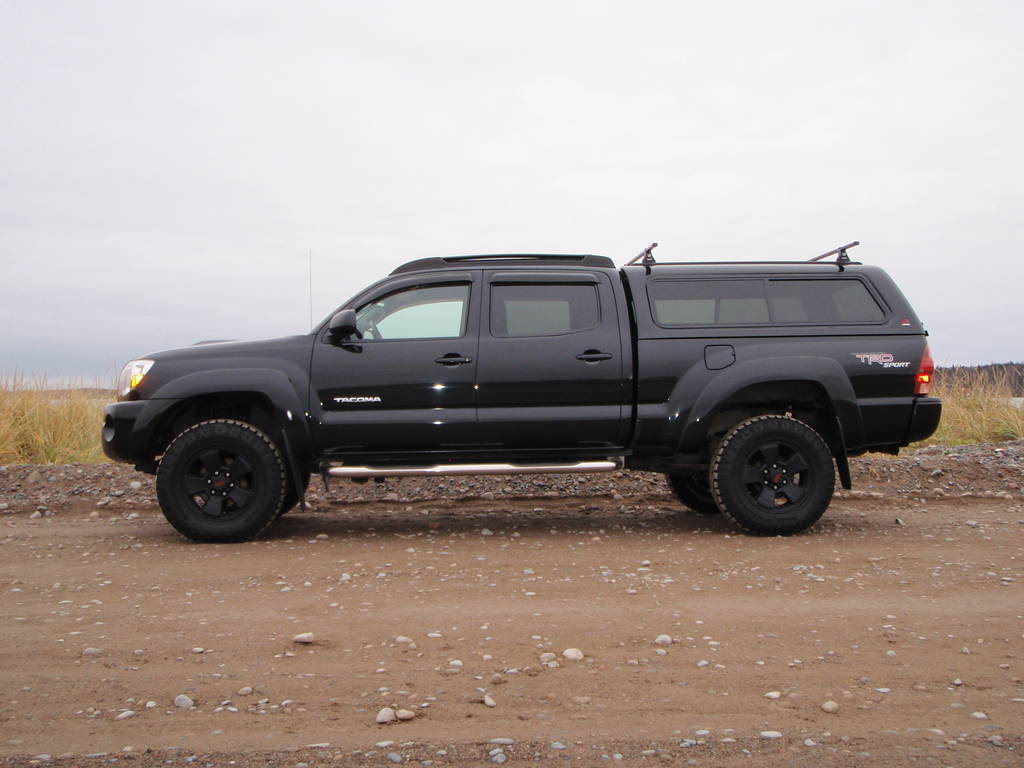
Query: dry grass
977	407
39	425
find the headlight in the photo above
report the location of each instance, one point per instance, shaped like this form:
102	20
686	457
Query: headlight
131	376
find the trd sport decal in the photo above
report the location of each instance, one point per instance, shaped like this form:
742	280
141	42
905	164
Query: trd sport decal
884	359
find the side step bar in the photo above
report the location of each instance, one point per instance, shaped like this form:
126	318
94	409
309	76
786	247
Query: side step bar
345	470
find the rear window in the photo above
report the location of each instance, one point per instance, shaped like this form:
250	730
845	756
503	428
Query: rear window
822	301
709	302
543	309
754	302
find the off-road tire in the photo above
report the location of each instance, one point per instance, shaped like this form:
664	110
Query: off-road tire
694	491
199	495
772	476
291	498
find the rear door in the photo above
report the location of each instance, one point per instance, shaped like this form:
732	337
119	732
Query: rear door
550	372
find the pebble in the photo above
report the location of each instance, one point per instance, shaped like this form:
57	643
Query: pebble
135	485
810	743
304	638
771	735
558	745
499	758
663	640
548	657
245	690
405	714
394	757
488	701
125	715
573	654
92	652
830	706
979	715
773	695
183	701
385	716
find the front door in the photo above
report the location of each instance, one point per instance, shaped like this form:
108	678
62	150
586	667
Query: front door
550	374
408	383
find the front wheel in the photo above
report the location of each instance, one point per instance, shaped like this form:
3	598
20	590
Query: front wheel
221	480
694	491
772	475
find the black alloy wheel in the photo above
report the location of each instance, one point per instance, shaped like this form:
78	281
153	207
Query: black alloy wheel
221	480
773	475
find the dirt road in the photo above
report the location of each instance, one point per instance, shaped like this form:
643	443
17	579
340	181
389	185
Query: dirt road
915	629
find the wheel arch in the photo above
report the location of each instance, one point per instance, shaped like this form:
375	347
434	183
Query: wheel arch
265	398
814	390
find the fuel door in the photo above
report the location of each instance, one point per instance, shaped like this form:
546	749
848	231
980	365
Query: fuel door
719	356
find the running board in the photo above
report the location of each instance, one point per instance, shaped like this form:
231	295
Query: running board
345	470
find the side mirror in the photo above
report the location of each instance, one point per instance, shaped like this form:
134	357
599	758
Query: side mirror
343	325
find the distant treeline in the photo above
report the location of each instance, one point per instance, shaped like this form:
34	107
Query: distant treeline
1010	375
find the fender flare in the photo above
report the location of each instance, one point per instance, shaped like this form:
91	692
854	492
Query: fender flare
823	372
280	391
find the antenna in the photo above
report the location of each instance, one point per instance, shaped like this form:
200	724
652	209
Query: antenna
310	270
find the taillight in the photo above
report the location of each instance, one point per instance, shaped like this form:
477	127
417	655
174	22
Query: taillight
925	374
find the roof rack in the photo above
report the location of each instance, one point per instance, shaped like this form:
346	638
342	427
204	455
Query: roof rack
840	253
439	262
646	258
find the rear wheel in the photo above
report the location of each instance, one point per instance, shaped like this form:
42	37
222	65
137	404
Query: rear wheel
221	480
772	475
694	491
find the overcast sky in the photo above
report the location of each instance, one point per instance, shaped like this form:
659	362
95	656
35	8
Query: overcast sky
165	167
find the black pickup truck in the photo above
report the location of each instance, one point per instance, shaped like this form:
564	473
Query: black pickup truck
748	384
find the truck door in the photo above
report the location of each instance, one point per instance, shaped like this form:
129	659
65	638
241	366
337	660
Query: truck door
550	373
408	383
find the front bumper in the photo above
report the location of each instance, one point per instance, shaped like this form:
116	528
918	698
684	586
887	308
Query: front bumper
121	436
924	420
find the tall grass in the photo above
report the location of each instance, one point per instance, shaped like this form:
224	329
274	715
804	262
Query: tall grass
39	425
977	407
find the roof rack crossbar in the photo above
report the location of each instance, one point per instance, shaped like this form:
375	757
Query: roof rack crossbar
747	262
840	253
645	257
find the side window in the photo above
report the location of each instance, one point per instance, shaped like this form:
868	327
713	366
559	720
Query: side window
427	312
543	309
822	301
708	302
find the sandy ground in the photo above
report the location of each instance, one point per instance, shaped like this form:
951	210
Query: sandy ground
911	626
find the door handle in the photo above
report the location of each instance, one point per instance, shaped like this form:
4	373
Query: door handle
452	359
593	356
